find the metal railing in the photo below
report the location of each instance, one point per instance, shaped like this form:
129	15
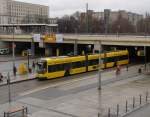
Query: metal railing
129	106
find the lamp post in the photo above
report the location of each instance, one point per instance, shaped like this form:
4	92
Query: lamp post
100	65
75	47
99	81
13	52
9	89
87	18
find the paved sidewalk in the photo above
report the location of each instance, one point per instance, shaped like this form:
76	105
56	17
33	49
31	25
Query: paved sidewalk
18	78
6	67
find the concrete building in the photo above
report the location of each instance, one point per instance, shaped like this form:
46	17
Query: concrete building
113	16
21	12
26	12
34	17
4	11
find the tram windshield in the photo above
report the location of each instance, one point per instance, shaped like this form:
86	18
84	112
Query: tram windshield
41	67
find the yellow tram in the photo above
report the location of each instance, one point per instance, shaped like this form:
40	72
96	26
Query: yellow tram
54	67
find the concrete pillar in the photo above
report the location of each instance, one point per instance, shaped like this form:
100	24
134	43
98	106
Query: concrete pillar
96	47
48	50
57	52
145	57
75	47
32	49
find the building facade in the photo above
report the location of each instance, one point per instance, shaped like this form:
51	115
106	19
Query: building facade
20	12
4	12
24	17
28	13
113	16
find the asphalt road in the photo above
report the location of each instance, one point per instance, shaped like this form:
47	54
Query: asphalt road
21	87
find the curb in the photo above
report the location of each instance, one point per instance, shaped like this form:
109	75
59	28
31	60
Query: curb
18	81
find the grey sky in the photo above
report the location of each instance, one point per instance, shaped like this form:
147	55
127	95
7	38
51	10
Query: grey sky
59	8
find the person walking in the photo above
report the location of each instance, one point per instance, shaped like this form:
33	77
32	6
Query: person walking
33	65
127	67
14	70
1	77
118	70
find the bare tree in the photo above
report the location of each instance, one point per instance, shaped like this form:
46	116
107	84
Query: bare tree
122	25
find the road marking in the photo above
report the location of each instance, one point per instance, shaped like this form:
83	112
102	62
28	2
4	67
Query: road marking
65	83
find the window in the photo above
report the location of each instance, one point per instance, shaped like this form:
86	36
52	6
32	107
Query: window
93	62
54	68
109	59
122	57
78	64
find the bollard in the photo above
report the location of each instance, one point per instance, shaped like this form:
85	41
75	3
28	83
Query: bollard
126	106
133	102
146	97
117	110
109	112
140	99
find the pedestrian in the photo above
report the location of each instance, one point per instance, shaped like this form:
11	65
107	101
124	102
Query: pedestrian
118	70
33	65
139	70
127	67
1	77
14	70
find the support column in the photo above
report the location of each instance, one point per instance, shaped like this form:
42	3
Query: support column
48	50
145	56
75	47
57	52
96	47
32	49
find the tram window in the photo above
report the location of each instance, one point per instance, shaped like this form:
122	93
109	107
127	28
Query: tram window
93	62
78	64
122	57
67	66
54	68
109	59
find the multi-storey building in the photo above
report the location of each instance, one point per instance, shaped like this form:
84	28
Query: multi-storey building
4	12
113	16
21	12
25	16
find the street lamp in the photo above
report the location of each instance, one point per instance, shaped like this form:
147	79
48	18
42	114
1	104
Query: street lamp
9	89
100	64
13	53
99	79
